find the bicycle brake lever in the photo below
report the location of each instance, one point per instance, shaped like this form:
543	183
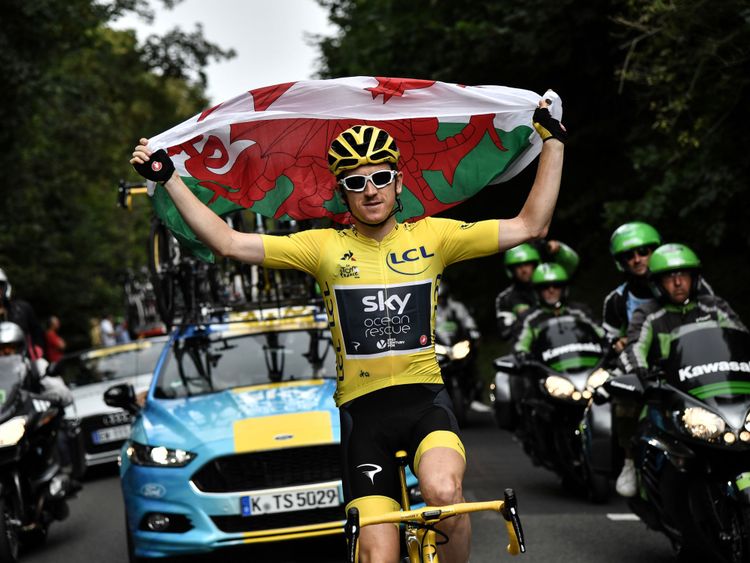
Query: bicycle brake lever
510	513
351	532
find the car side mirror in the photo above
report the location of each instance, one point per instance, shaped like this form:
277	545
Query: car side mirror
122	396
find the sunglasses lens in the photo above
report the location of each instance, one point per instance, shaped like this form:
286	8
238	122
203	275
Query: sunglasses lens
382	178
355	183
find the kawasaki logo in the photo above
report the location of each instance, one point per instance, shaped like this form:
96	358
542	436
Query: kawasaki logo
592	347
379	302
398	262
689	372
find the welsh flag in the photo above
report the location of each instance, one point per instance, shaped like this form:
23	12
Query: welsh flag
266	150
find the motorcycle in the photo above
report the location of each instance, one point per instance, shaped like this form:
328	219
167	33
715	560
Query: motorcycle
544	395
33	488
456	353
692	445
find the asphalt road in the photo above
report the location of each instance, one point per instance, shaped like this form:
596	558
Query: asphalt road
558	525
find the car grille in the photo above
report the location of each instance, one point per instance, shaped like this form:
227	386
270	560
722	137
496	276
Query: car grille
270	469
90	424
234	524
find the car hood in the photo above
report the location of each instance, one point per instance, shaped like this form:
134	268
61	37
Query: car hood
88	399
281	415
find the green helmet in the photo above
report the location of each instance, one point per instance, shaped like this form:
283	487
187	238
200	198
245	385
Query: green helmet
549	272
672	257
632	235
521	254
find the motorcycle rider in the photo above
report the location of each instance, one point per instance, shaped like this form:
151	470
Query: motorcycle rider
520	262
21	313
550	281
450	312
675	275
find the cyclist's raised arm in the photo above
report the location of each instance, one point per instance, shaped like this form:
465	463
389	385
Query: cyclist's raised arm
536	215
208	227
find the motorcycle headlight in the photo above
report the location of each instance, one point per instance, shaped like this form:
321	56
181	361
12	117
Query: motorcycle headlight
461	350
597	378
158	456
703	424
559	387
11	431
441	350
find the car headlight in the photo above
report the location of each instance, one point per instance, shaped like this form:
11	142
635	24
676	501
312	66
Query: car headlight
11	431
703	424
597	378
461	350
158	456
559	386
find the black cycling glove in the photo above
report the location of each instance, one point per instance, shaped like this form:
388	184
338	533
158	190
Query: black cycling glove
158	169
548	127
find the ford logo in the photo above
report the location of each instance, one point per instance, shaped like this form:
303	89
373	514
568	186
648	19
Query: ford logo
153	490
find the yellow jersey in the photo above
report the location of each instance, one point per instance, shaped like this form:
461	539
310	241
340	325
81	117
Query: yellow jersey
381	297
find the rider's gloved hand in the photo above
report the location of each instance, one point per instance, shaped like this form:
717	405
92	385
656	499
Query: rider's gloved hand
159	167
547	126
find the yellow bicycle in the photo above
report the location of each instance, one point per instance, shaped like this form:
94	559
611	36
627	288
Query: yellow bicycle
418	526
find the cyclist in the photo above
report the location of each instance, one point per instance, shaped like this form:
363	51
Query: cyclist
381	313
675	272
551	283
519	296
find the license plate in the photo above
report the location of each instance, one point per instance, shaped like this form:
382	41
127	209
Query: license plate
288	501
113	434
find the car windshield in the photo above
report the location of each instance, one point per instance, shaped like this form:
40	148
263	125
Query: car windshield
107	364
12	372
216	361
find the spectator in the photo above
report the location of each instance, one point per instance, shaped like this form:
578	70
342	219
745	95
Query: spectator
55	345
107	330
21	313
122	336
95	334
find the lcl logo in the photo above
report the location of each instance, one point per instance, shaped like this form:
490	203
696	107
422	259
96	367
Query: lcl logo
395	261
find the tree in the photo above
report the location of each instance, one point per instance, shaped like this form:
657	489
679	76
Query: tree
77	97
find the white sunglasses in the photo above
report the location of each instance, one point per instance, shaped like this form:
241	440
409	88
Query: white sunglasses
357	182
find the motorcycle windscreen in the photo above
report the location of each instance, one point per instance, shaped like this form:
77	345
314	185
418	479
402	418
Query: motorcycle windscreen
12	372
709	362
567	345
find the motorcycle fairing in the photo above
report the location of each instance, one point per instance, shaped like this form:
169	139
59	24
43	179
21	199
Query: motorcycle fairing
710	363
567	345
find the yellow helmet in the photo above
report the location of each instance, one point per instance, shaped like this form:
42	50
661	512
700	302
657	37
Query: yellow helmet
361	144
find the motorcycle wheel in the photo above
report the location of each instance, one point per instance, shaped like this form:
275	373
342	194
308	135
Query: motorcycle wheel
597	486
737	549
9	534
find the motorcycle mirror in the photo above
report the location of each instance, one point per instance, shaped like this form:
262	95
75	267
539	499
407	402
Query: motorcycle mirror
625	386
600	396
122	396
507	363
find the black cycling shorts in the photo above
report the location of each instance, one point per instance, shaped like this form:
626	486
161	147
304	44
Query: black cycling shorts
375	426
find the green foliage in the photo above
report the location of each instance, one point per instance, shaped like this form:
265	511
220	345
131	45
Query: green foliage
653	92
77	97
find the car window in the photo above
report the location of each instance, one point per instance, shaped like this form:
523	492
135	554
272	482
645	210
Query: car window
207	364
107	364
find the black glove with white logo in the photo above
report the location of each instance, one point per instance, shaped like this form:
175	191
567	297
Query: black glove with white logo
158	169
548	127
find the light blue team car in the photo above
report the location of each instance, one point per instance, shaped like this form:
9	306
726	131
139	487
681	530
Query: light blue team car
237	440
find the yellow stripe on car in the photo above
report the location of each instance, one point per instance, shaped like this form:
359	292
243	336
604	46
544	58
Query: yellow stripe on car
282	431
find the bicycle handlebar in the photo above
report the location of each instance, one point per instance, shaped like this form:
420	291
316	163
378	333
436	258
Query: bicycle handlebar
432	515
126	191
